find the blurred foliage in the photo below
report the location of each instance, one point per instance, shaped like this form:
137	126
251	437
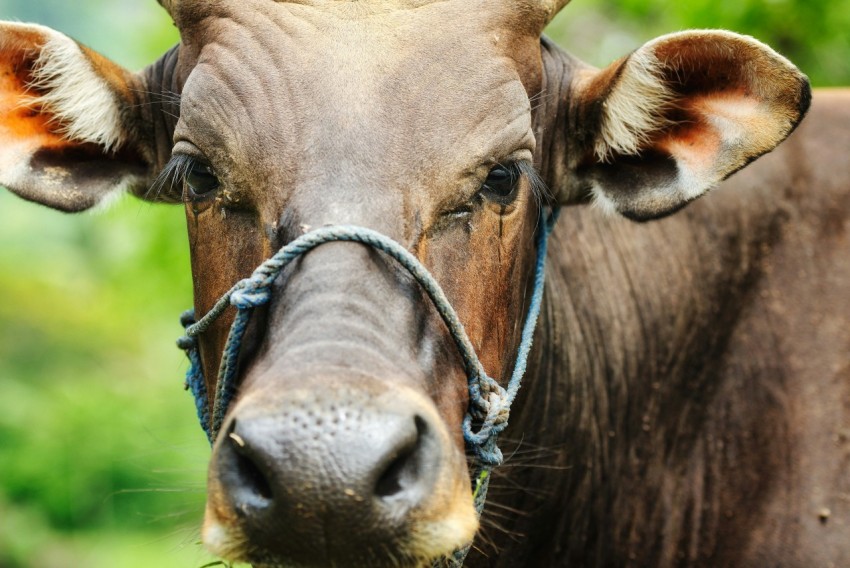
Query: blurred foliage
812	33
102	463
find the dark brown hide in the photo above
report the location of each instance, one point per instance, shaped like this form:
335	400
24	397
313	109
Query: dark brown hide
690	402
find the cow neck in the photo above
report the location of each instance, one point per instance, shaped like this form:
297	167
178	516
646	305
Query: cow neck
489	402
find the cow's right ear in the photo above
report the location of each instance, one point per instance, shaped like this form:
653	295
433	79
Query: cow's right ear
72	132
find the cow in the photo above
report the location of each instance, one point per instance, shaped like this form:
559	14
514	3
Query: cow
687	391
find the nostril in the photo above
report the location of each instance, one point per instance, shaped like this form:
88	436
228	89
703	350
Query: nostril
396	476
403	471
249	484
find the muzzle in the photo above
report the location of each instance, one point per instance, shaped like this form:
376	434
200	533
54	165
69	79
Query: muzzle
489	402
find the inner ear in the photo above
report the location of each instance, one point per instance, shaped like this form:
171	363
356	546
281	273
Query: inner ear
22	118
65	116
49	142
681	114
723	94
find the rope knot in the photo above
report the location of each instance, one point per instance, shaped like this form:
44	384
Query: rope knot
486	396
489	410
483	443
251	293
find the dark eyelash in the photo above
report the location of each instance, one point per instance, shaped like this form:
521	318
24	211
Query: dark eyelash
168	185
538	186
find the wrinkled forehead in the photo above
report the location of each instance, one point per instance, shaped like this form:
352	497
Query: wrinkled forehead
361	78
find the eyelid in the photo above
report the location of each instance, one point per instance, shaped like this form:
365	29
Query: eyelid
517	157
516	167
186	148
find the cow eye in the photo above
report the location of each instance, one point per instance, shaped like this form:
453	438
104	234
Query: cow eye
501	182
201	179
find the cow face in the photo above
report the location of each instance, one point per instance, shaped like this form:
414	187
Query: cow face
414	119
335	127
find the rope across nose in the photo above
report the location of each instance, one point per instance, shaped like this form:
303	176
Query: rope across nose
489	402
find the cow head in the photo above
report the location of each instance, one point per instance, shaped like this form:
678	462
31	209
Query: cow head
420	119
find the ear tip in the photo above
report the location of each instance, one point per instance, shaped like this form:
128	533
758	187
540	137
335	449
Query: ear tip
10	27
704	39
804	102
805	95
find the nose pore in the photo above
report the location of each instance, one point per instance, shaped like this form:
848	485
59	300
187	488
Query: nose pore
312	478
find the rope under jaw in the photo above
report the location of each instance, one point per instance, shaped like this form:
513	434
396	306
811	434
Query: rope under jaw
489	402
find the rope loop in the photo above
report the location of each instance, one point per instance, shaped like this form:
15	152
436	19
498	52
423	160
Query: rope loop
186	343
195	381
489	402
187	318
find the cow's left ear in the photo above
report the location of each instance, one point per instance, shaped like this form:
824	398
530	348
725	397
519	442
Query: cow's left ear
664	125
71	133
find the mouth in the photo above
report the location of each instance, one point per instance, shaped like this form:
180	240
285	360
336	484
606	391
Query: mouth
425	545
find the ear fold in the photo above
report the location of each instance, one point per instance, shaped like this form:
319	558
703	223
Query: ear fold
682	113
70	121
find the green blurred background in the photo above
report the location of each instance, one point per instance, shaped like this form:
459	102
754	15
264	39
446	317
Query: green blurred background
102	463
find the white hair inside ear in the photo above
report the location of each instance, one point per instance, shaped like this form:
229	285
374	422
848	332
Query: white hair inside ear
80	101
635	108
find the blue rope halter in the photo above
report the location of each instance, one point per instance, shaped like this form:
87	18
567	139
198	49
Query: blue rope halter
489	402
